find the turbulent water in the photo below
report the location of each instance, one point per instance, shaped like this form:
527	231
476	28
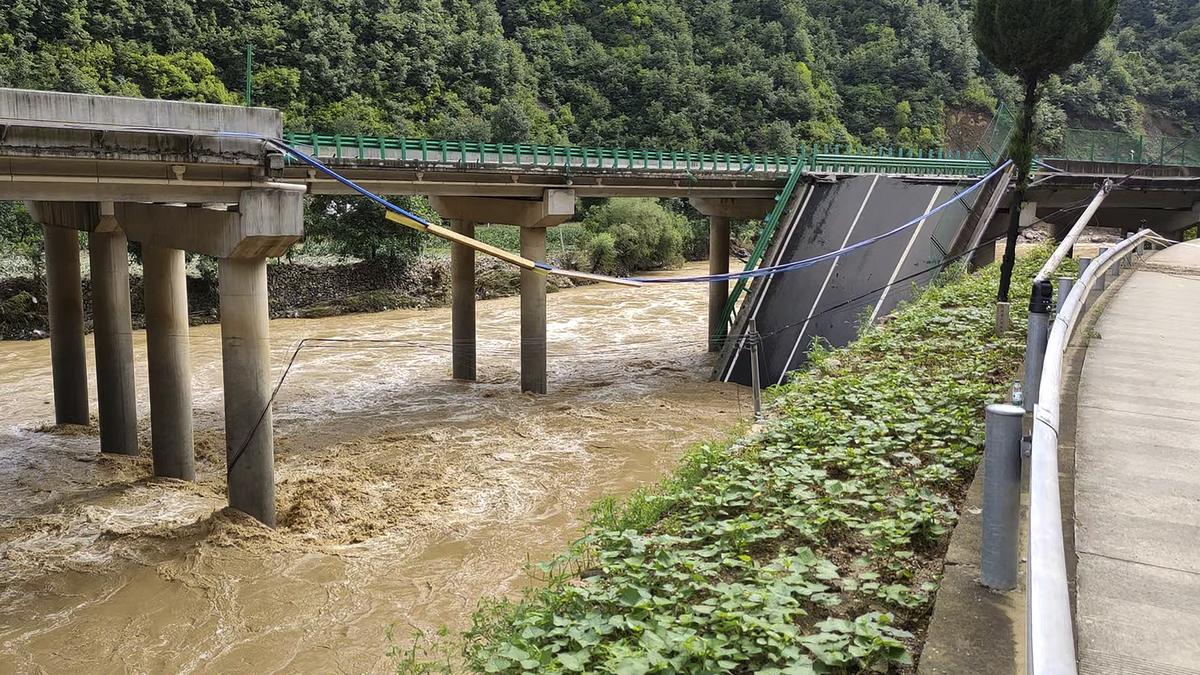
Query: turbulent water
403	497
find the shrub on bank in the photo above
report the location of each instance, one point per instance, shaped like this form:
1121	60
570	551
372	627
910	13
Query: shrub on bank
812	545
629	235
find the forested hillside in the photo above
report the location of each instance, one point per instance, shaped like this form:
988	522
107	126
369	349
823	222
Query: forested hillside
728	75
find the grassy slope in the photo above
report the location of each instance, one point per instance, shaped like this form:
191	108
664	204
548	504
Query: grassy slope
812	545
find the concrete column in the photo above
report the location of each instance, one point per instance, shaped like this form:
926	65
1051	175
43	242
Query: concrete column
718	263
64	294
983	256
113	333
462	293
245	355
1028	214
533	313
167	353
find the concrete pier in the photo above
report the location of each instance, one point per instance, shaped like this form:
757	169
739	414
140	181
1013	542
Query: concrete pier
718	291
720	211
113	333
246	368
462	292
533	313
169	360
64	294
533	217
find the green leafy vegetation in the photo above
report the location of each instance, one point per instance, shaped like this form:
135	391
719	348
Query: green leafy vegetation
811	544
731	76
626	235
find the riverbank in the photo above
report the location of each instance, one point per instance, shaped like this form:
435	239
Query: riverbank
813	543
296	290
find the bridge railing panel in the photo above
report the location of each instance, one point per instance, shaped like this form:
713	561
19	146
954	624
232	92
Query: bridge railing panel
828	158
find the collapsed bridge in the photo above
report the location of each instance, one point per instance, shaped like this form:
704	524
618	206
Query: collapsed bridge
217	180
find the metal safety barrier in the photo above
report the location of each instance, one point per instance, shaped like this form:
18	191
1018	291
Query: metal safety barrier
1050	633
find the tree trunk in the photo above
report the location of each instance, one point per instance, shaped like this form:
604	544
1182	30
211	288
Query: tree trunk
1021	151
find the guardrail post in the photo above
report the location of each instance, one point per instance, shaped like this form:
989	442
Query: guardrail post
1000	550
1064	289
1101	279
1038	334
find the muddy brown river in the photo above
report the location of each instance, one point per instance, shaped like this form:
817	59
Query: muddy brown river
403	497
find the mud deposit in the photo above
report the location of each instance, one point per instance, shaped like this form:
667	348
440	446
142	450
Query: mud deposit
403	497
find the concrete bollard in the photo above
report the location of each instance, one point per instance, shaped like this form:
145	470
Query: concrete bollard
1003	318
1000	550
1038	334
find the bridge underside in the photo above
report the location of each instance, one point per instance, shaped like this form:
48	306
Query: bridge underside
830	300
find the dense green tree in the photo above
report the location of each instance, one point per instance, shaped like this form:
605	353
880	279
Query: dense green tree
21	238
626	235
1032	40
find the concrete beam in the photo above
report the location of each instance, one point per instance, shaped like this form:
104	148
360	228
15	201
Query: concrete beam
26	106
462	294
266	224
554	208
64	293
1160	220
113	334
56	124
246	370
169	359
728	207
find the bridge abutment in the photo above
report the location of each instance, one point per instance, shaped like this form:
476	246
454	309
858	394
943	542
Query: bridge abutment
64	299
462	293
169	360
116	397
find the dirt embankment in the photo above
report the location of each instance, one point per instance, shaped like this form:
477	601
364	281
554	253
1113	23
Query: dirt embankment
296	291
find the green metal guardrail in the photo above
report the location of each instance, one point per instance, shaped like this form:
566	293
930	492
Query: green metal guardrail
765	235
1093	145
1119	147
994	142
833	158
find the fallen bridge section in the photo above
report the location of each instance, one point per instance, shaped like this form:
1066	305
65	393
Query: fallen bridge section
832	299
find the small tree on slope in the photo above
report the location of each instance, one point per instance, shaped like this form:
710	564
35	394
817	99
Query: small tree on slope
1033	39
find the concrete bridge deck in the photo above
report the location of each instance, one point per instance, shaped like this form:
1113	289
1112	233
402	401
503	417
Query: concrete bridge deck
1137	475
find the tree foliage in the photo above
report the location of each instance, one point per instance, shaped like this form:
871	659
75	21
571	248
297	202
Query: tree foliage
765	76
626	235
1032	40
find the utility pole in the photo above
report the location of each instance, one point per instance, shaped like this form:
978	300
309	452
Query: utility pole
249	74
755	384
